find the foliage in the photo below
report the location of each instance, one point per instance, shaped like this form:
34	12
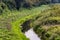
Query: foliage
47	26
46	19
17	4
11	20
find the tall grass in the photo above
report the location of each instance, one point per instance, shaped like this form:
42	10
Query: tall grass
47	26
11	21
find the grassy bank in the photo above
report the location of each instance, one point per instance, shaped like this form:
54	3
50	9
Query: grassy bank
47	25
10	21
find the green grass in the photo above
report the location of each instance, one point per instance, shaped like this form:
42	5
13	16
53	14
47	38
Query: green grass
10	22
44	23
47	26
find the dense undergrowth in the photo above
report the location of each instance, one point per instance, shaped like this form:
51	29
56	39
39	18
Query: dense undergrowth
47	25
10	21
46	21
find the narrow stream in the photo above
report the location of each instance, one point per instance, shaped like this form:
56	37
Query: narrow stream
31	35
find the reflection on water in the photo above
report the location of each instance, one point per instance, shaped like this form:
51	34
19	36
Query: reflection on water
31	35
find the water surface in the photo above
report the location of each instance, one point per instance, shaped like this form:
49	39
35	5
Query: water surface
31	35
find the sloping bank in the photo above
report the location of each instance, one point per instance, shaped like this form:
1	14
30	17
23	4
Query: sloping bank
16	28
10	22
47	26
